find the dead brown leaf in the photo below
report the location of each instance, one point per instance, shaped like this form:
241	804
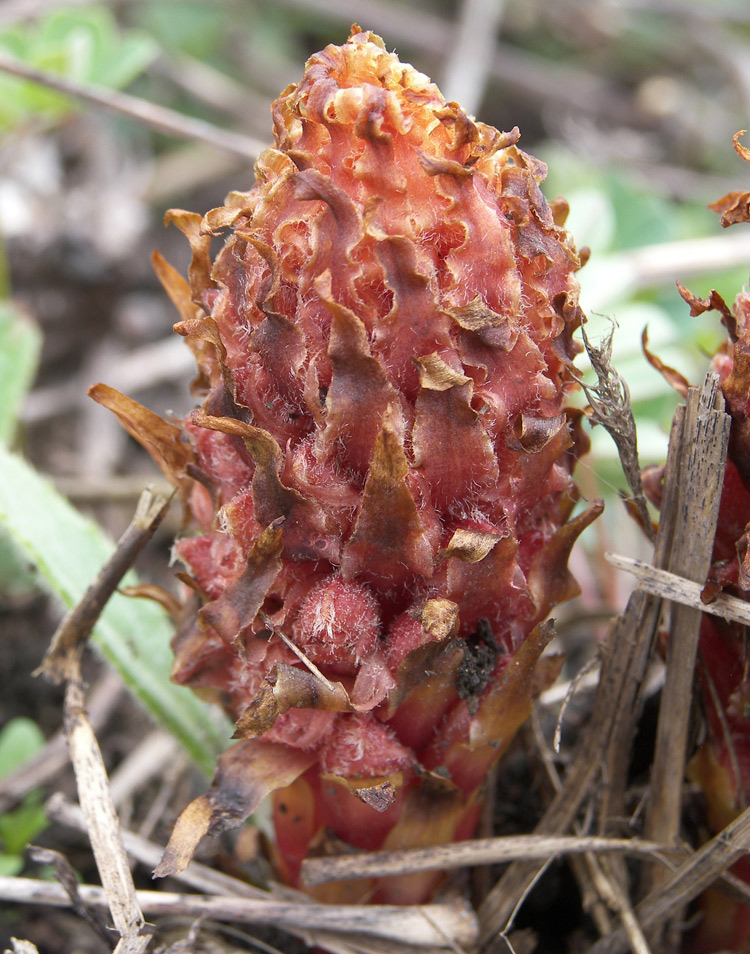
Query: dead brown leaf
245	775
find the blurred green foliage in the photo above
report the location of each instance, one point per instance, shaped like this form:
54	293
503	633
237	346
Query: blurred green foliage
20	342
81	43
20	739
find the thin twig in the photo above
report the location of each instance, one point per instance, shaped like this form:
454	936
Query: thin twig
480	851
76	627
592	901
573	685
156	117
101	820
66	877
692	878
452	920
676	588
614	893
209	881
305	660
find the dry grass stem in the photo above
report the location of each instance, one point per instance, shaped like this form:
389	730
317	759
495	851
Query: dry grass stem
592	901
696	874
612	700
466	72
209	881
66	876
62	662
516	69
670	261
430	925
614	894
131	372
305	660
198	876
481	851
573	685
102	823
676	588
109	488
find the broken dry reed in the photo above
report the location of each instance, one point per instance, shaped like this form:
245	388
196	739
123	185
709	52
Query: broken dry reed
705	440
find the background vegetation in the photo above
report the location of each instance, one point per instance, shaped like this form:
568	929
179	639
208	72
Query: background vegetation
633	104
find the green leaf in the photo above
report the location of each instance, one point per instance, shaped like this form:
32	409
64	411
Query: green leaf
19	740
200	29
68	551
86	45
20	342
10	865
136	51
21	826
18	579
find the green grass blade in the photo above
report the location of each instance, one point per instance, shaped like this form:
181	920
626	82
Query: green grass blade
20	342
68	550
